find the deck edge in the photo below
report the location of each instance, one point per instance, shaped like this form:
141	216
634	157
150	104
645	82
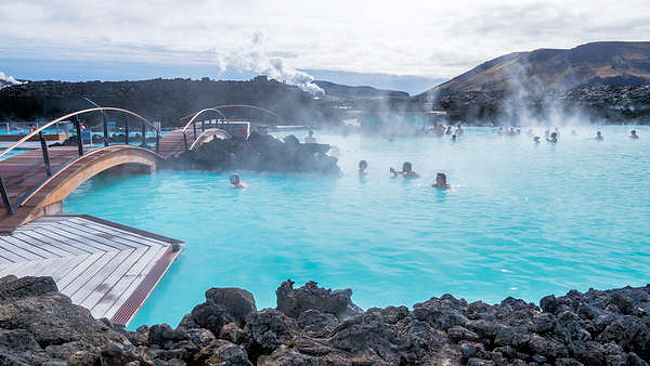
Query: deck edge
134	302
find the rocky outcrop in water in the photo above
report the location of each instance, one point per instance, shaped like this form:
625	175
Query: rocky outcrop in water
315	326
262	153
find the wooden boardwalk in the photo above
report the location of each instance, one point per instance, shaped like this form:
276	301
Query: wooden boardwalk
105	267
25	177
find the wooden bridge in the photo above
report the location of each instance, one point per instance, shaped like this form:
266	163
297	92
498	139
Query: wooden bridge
109	268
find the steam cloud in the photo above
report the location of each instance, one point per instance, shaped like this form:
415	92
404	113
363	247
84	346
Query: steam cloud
7	80
255	58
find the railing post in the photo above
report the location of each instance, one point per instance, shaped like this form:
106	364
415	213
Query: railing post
185	141
46	154
194	125
80	142
144	137
126	131
5	197
106	137
157	142
203	126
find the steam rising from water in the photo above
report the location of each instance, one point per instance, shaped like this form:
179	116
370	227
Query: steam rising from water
6	80
256	58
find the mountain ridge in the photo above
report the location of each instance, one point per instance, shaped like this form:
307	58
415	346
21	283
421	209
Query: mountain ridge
590	64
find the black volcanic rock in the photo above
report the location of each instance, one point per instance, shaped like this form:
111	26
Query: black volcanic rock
293	302
593	328
165	100
258	153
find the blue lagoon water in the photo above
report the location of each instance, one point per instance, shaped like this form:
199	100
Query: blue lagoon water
524	220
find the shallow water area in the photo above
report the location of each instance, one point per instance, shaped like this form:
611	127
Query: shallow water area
522	220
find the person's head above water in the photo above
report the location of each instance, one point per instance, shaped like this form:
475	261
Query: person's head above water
407	166
363	165
234	179
536	139
441	181
633	134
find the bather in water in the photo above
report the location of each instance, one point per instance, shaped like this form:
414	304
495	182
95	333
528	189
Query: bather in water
599	136
236	182
407	171
363	165
441	181
310	139
553	138
634	135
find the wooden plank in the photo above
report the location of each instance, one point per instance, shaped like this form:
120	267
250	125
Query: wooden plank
73	248
10	255
132	304
85	245
28	251
108	245
123	288
79	269
103	236
128	292
54	249
89	273
134	239
106	285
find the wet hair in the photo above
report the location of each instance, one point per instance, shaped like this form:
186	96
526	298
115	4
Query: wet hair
407	166
363	164
441	176
234	178
633	132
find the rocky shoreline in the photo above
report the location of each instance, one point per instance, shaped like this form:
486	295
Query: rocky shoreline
316	326
260	153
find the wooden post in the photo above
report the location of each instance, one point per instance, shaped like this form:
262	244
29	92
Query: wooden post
126	130
46	154
80	142
185	141
194	125
157	142
106	137
144	137
5	197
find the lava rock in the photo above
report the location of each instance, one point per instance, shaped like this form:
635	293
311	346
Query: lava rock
258	153
293	302
267	330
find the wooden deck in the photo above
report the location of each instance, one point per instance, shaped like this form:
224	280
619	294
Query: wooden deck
105	267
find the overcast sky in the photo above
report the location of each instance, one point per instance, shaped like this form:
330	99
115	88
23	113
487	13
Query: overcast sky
434	39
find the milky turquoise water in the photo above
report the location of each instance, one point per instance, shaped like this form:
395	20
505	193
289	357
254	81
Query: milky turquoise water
524	220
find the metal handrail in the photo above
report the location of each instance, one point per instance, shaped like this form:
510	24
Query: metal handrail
4	192
197	114
67	116
238	106
223	134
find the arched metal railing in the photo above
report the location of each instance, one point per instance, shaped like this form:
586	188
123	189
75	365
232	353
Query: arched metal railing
245	106
194	116
192	122
45	150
